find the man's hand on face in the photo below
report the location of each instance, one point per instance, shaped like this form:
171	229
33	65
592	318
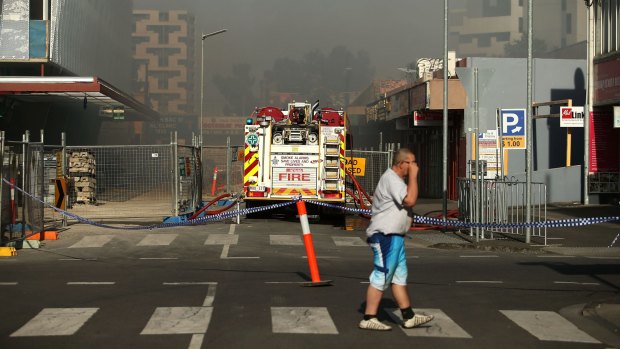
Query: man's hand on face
413	170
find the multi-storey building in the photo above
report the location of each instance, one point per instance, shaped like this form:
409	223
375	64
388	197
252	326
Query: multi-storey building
604	145
164	66
63	64
484	27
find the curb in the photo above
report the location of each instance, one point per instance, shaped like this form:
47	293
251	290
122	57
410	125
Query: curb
490	248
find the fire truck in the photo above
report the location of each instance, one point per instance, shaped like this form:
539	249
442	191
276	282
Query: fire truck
292	152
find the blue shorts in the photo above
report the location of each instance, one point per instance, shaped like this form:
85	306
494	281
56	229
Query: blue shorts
389	259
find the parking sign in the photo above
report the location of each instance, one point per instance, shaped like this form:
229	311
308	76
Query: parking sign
513	128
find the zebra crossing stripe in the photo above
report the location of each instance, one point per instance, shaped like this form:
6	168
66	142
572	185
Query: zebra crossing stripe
56	322
92	241
179	320
349	241
158	239
548	326
306	320
222	239
285	240
441	326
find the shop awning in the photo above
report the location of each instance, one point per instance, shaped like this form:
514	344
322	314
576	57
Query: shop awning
58	89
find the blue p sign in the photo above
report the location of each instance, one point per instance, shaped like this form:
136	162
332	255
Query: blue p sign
513	122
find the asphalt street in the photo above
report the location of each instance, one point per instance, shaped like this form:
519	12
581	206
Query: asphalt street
222	285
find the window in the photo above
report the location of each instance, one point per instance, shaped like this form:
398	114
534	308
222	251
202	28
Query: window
37	9
569	23
563	5
607	15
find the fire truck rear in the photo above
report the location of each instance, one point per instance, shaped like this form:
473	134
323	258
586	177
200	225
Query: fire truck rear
294	152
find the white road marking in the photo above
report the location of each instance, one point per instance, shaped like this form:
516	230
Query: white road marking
74	283
441	326
554	256
285	240
323	257
577	283
200	283
593	257
478	282
8	283
226	247
548	326
196	342
349	241
210	296
222	239
157	240
479	256
92	241
77	259
55	322
159	258
281	282
225	250
555	238
179	320
302	320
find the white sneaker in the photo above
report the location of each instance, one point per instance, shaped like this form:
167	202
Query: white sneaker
417	320
374	324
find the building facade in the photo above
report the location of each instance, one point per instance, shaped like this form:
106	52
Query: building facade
604	152
76	60
482	28
165	71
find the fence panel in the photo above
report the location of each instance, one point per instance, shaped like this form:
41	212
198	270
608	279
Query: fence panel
493	201
189	175
376	163
22	162
229	170
121	182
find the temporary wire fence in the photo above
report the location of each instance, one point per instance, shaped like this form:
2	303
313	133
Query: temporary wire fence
575	222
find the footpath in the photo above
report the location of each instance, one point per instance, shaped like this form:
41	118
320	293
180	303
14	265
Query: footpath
597	241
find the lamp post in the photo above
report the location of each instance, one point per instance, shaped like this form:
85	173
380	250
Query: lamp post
202	75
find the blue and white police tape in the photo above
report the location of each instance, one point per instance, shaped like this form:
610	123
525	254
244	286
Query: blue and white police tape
574	222
204	219
344	208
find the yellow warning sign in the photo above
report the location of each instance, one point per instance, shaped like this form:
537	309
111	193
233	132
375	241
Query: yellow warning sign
356	165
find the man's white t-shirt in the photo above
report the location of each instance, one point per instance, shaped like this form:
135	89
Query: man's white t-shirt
389	216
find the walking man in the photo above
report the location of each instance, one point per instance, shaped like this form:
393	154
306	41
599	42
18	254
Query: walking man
391	219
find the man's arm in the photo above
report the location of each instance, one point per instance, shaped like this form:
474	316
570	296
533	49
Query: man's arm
412	186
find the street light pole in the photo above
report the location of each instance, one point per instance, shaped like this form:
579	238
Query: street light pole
202	76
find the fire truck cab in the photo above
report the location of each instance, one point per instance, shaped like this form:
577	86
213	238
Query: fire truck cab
295	151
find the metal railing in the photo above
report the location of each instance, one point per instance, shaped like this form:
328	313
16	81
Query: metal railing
229	176
376	163
501	202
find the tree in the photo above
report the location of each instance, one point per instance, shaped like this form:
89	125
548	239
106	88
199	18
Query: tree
237	90
518	48
320	76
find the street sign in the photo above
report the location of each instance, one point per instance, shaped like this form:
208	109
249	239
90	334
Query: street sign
513	128
357	166
571	116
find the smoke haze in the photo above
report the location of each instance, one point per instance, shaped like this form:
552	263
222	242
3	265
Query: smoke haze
393	32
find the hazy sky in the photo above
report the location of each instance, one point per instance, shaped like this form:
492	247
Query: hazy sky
393	32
